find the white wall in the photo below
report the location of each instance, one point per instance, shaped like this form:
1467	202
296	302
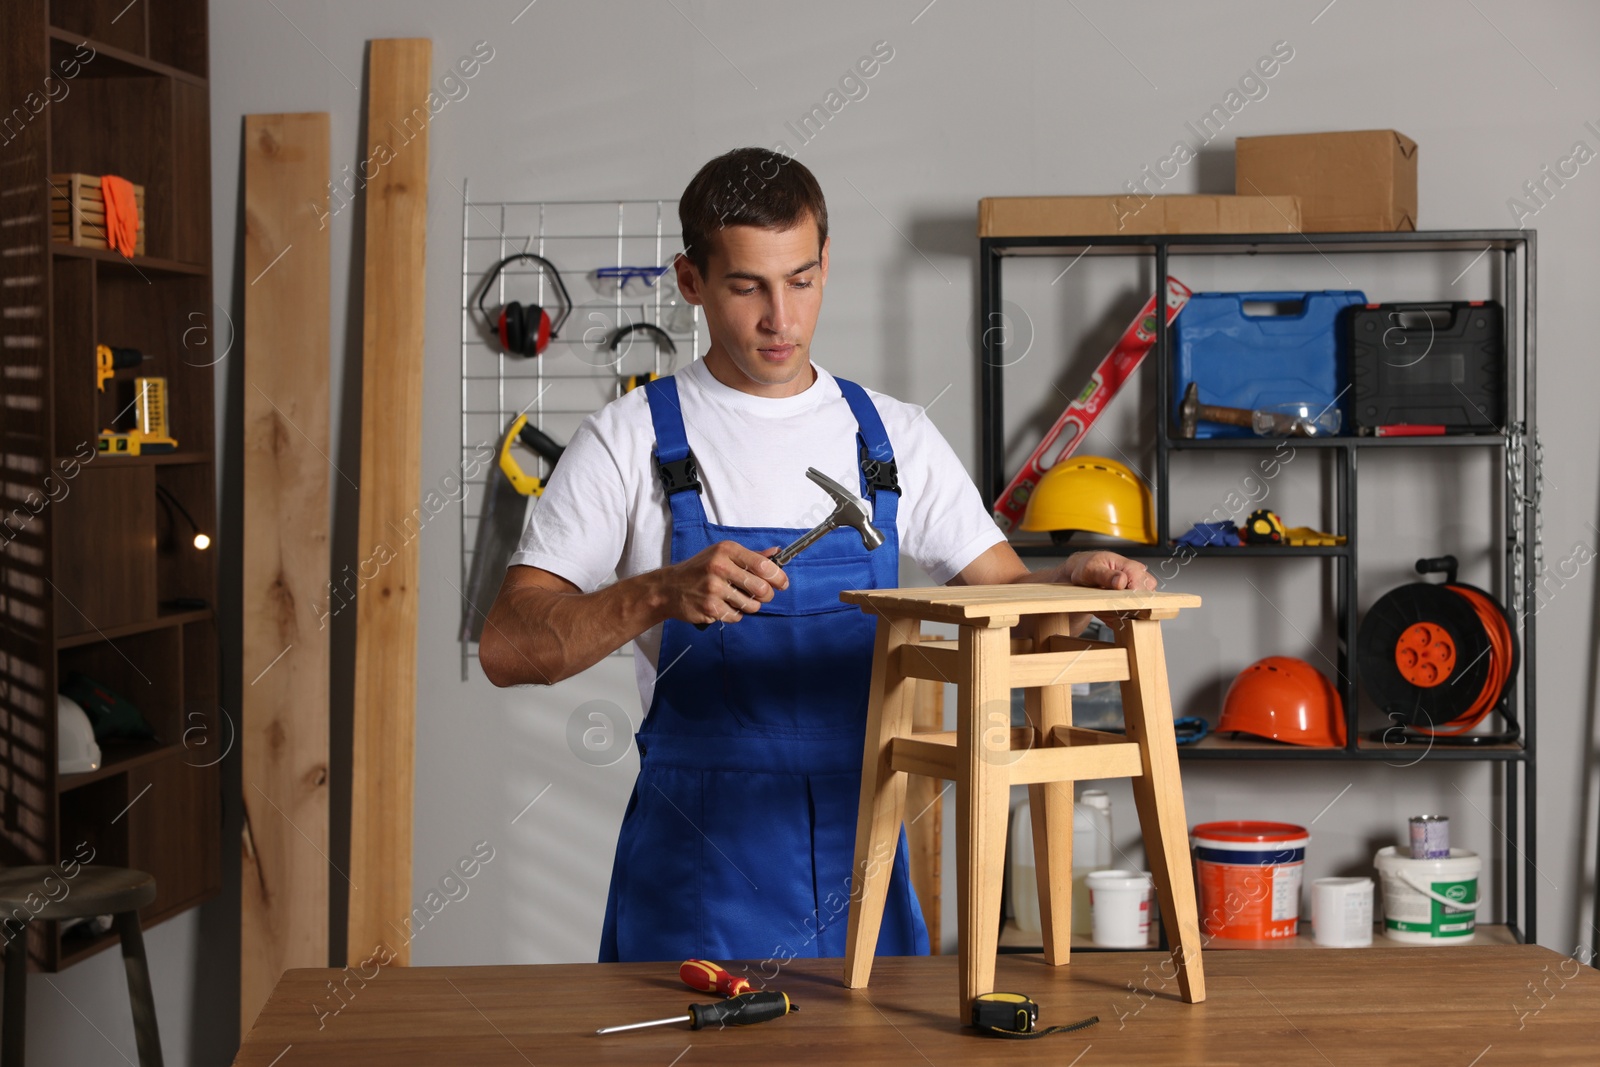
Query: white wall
628	99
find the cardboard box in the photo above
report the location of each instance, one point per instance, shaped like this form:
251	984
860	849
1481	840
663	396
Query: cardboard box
1358	181
1074	216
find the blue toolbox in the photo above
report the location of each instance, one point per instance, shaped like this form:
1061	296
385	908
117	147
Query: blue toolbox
1243	358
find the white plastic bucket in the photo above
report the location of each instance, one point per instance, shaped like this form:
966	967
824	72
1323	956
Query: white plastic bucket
1120	904
1429	902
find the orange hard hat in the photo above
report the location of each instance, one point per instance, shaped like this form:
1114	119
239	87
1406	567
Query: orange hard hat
1285	699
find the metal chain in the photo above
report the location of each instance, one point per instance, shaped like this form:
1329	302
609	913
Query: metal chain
1514	480
1530	497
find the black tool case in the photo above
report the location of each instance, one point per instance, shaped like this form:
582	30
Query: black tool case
1432	364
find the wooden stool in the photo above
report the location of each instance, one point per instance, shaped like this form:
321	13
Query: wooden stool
985	756
29	893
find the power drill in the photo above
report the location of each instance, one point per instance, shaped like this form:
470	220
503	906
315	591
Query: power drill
109	360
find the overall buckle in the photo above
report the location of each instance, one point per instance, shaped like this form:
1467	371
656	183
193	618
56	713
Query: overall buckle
679	475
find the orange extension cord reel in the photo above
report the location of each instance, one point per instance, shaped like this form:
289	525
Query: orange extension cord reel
1439	658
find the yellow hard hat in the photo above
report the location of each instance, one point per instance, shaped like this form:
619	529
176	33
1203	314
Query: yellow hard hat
1091	493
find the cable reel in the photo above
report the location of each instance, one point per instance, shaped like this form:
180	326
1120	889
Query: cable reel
1438	659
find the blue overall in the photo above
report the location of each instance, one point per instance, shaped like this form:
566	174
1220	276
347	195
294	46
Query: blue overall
738	840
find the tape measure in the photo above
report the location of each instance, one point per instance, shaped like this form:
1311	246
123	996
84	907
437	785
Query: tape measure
1014	1015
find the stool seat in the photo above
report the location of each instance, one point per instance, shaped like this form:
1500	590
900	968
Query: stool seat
89	892
1019	637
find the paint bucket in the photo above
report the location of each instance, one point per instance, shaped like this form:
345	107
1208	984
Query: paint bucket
1119	902
1429	902
1249	879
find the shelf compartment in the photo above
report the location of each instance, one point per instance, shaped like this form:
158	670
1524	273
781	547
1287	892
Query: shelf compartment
114	23
145	669
105	525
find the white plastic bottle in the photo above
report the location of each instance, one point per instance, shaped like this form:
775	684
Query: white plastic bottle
1091	851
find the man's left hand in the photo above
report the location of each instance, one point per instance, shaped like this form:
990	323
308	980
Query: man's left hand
1106	570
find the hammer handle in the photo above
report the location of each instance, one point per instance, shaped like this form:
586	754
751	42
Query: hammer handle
800	544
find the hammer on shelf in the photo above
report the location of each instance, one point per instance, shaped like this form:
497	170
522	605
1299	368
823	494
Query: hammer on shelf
1192	411
847	512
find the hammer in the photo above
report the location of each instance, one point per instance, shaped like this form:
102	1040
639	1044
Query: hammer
1192	411
847	511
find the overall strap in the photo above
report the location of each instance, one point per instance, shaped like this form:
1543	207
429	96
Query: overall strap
675	465
880	481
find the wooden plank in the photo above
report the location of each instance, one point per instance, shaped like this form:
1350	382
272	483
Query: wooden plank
1338	1006
925	817
284	711
391	476
883	800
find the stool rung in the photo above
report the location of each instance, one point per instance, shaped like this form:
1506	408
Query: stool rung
1090	755
942	661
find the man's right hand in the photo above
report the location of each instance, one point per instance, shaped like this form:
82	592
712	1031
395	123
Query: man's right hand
722	583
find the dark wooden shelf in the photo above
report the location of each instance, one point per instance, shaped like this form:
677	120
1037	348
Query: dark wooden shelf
113	62
160	622
118	757
141	263
156	459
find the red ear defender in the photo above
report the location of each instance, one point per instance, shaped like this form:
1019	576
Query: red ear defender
525	330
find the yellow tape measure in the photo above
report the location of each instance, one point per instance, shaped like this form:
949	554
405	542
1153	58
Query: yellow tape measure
1014	1015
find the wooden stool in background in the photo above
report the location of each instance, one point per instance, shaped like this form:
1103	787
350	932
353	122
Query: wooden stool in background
985	756
89	892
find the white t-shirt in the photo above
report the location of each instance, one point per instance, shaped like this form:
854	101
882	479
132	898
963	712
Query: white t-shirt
604	510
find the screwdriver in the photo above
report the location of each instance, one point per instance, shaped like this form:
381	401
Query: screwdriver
710	977
742	1010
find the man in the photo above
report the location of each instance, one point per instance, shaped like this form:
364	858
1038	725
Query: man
739	837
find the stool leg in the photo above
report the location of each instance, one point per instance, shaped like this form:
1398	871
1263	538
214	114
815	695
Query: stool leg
883	797
983	794
1051	807
13	1039
1158	796
144	1004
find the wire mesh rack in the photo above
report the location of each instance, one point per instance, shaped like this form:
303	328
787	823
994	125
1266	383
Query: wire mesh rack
588	241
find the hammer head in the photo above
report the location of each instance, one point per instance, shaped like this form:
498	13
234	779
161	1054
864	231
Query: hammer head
847	510
1189	411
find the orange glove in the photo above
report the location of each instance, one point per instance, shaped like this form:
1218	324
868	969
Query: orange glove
122	213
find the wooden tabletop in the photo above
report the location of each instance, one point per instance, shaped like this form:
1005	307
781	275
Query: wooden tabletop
1442	1007
960	603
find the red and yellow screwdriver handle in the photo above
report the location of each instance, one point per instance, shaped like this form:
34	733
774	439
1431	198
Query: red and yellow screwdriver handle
708	977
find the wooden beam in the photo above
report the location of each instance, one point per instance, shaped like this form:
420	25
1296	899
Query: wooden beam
391	476
283	729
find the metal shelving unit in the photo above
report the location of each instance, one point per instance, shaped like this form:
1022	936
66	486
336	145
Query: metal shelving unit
1517	447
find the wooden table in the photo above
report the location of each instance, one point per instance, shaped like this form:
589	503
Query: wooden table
1439	1007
